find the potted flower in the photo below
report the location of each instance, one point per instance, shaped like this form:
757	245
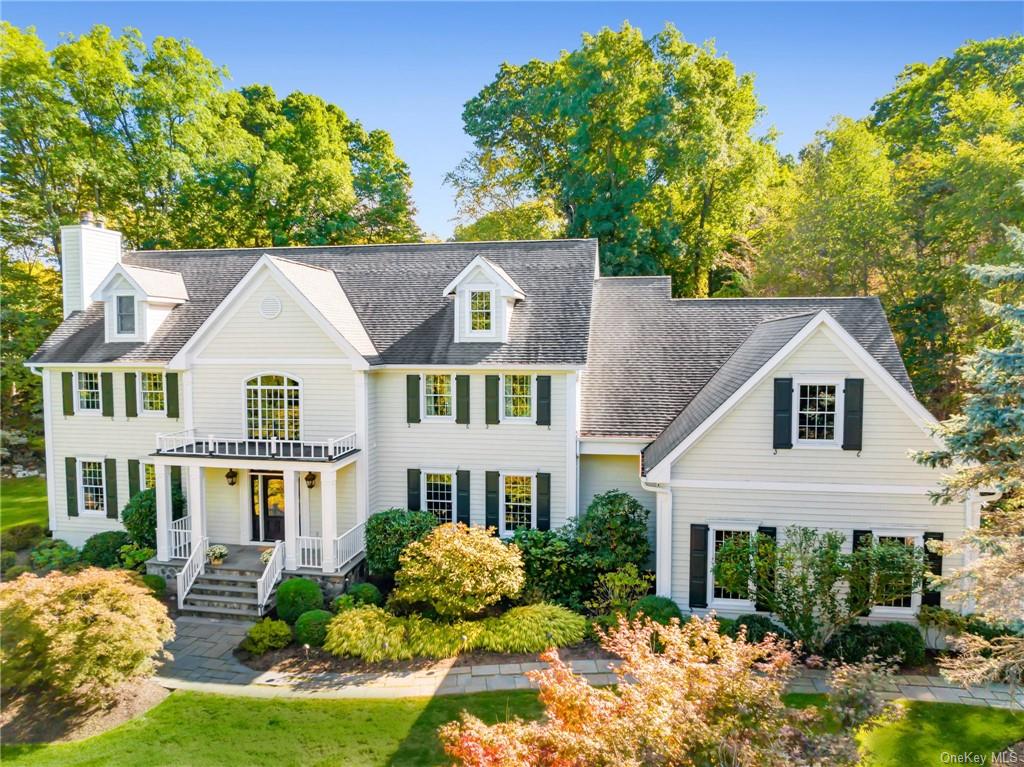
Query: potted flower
217	553
265	556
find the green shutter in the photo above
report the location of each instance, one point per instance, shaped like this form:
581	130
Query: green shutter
768	532
67	385
412	481
861	576
853	413
131	405
107	393
71	477
543	501
491	390
110	479
491	512
929	596
462	497
782	433
178	509
133	478
462	399
171	395
543	400
412	399
698	566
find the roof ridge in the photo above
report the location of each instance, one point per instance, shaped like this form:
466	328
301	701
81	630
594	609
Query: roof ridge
420	243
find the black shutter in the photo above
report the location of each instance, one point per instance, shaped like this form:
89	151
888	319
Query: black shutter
491	513
131	406
177	512
462	399
853	413
412	481
768	532
71	484
491	390
543	400
782	433
543	501
110	479
67	385
412	399
698	566
107	393
172	395
133	478
462	497
863	538
929	596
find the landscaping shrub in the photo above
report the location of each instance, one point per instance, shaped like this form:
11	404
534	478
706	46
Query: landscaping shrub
139	516
659	609
532	628
7	560
267	635
365	594
758	627
555	566
297	596
343	602
134	557
618	591
311	627
901	642
13	572
156	583
103	549
457	571
613	532
53	554
81	635
368	632
20	537
389	532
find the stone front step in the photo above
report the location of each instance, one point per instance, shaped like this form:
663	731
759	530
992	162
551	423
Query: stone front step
227	579
224	589
240	613
220	600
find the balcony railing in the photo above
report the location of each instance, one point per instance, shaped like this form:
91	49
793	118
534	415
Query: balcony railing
189	442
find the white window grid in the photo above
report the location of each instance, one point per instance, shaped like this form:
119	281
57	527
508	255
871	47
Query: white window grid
817	408
273	407
481	311
905	602
92	486
517	502
125	319
151	390
439	494
720	536
88	385
438	399
148	476
517	397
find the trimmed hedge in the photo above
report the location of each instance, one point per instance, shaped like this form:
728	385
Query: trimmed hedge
659	609
267	635
900	642
104	549
139	516
297	596
389	532
311	627
365	594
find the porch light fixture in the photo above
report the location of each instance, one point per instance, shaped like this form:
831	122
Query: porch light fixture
231	477
310	480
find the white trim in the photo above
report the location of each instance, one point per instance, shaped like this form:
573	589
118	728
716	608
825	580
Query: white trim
891	611
119	270
113	333
77	394
51	476
454	474
879	375
799	487
264	361
527	420
143	463
502	532
613	445
468	332
80	489
572	477
141	399
360	392
838	383
537	368
285	387
725	525
451	397
489	268
254	464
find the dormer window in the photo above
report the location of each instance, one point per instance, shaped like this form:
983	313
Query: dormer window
137	300
480	311
125	315
485	297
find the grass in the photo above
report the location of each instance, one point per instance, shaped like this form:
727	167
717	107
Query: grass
23	500
198	729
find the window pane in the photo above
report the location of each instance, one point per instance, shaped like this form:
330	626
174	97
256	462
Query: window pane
817	412
152	391
518	402
125	314
149	476
272	410
895	581
721	536
480	310
92	486
438	395
518	502
88	391
439	496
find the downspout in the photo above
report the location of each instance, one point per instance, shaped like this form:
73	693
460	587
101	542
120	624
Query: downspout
663	532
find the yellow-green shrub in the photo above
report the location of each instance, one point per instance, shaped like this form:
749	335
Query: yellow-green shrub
268	634
532	628
458	571
80	635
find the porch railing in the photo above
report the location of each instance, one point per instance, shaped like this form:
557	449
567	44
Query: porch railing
181	537
310	551
349	545
193	566
271	575
191	442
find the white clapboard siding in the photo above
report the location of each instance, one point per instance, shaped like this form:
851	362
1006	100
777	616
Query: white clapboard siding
601	473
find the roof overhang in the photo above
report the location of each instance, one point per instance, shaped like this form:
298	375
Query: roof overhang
155	285
495	273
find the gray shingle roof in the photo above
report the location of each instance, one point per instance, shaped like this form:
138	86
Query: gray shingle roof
396	292
651	354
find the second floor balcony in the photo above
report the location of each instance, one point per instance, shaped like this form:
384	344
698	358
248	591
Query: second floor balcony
196	443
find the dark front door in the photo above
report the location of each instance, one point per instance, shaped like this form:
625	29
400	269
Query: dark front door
267	507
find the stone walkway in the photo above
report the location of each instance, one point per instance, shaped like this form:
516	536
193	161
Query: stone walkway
203	662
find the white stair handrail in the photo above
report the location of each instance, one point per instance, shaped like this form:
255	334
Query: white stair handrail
271	575
190	571
349	545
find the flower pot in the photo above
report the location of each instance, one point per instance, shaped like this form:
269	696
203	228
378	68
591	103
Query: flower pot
216	562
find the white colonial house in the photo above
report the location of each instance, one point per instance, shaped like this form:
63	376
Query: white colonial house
288	393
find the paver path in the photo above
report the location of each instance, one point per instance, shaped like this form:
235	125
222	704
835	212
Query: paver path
203	661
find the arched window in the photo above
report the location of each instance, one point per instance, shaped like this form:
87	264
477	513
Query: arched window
272	407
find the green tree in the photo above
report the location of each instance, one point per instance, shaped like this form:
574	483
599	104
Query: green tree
533	220
646	144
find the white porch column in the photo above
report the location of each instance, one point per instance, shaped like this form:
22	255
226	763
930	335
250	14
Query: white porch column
163	512
328	517
196	504
663	546
291	519
362	442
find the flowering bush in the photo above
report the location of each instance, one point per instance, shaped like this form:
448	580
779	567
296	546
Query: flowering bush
217	552
80	635
700	698
458	571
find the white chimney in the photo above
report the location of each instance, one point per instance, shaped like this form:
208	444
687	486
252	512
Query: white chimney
88	252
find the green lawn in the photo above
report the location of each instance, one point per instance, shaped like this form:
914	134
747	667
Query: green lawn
22	500
196	729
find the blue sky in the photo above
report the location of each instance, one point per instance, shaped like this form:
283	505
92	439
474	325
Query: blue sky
409	68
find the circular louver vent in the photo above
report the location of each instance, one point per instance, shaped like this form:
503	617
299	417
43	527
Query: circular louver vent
270	307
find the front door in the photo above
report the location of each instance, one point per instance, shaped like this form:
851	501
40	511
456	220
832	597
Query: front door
267	507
